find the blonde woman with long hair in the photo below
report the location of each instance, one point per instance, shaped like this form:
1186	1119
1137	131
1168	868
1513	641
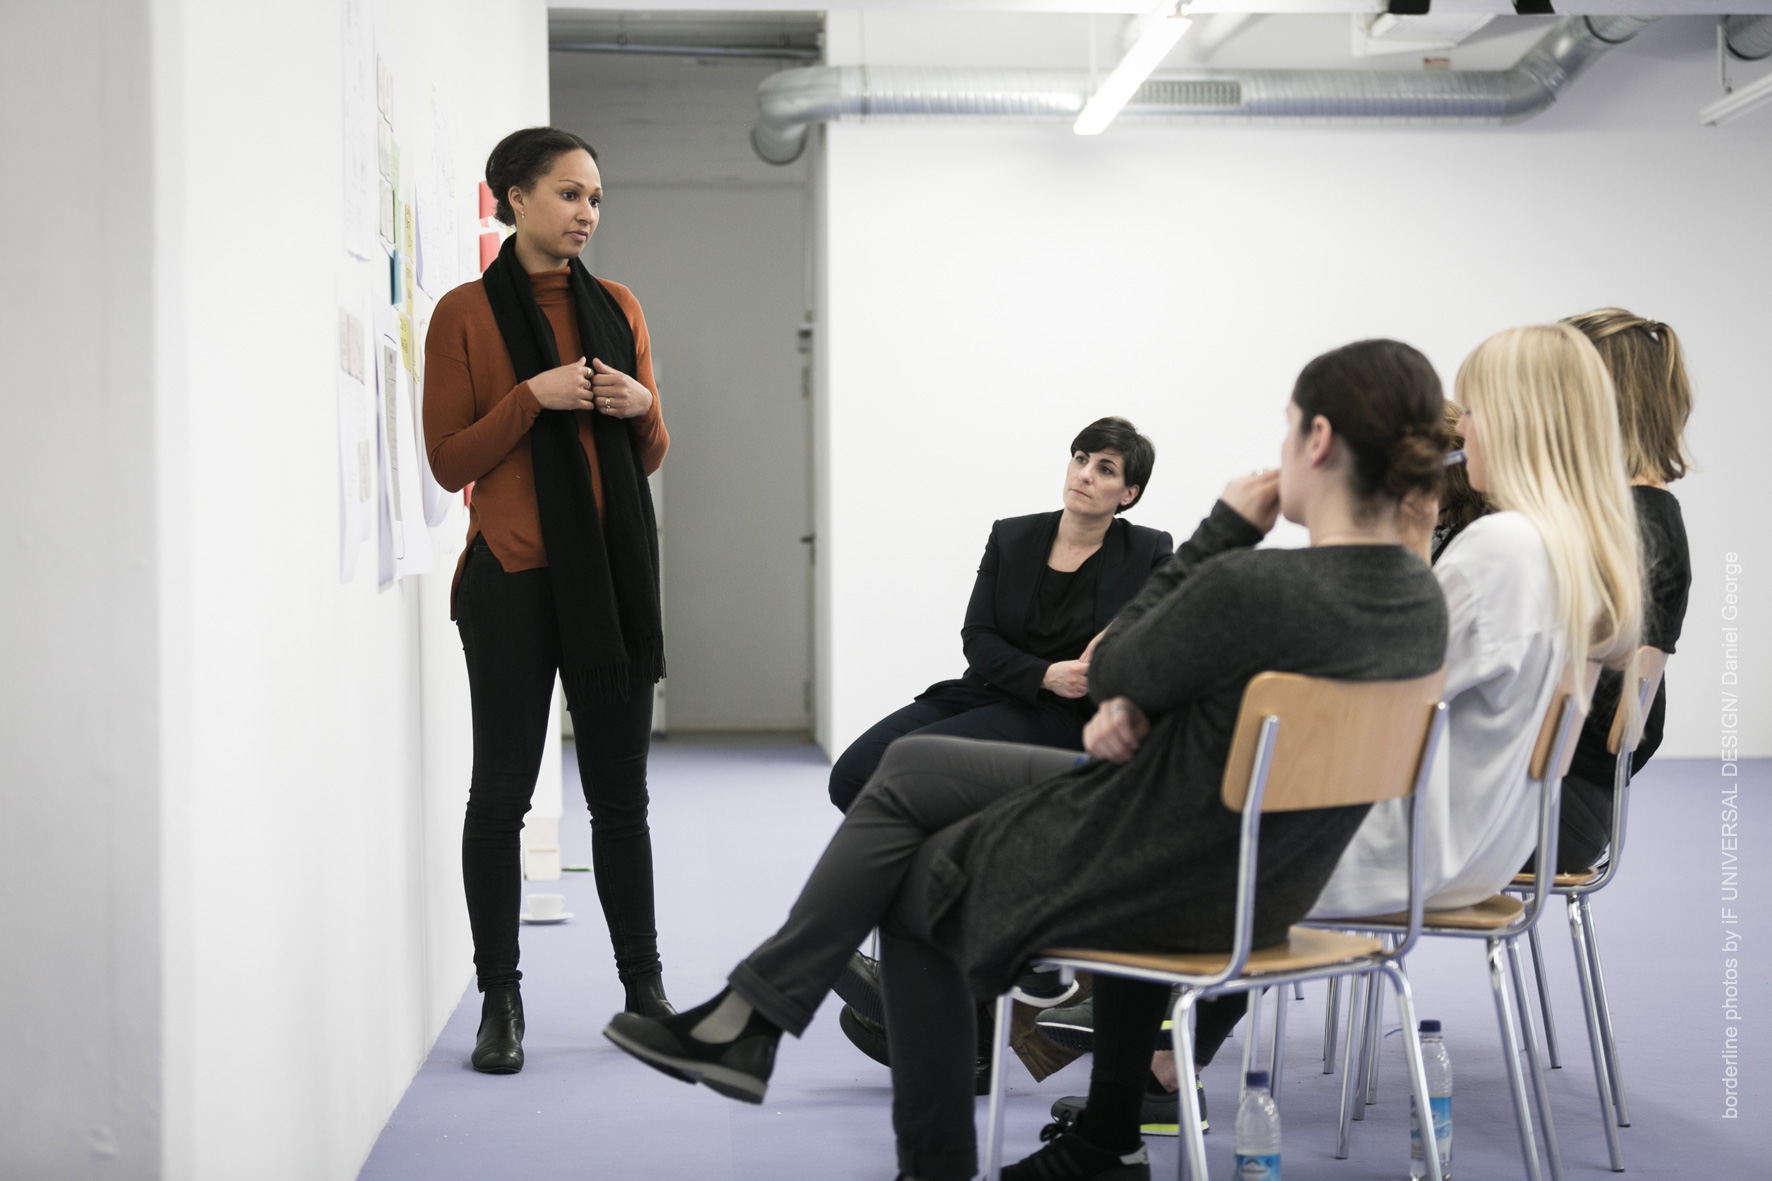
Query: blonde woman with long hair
1553	573
1654	401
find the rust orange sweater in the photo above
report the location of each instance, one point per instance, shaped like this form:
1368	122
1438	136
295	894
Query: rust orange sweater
477	415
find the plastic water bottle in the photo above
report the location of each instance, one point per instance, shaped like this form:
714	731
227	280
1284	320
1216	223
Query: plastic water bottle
1439	1094
1258	1131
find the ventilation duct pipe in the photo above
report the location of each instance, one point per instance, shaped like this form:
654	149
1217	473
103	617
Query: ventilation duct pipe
790	102
1749	37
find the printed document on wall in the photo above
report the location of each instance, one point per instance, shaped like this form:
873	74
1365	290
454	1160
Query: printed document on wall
405	543
360	118
439	213
356	440
438	503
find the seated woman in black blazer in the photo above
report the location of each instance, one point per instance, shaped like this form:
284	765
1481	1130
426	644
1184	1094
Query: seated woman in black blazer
1049	583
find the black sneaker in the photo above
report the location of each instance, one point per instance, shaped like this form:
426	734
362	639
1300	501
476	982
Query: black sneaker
859	986
1160	1114
1072	1027
1069	1157
1043	989
738	1069
870	1038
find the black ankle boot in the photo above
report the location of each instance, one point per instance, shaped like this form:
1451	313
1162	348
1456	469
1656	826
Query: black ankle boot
498	1047
646	996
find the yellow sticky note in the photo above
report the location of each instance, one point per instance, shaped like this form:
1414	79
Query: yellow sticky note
405	339
407	280
407	242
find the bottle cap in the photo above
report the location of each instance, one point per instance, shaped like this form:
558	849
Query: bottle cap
1255	1080
1430	1027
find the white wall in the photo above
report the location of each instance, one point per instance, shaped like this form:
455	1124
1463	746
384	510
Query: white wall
79	725
232	786
992	288
712	242
315	935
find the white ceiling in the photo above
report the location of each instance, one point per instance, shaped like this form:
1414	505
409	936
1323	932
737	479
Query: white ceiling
1567	7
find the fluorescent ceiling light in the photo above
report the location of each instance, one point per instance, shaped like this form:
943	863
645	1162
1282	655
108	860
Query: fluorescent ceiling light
1738	102
1161	31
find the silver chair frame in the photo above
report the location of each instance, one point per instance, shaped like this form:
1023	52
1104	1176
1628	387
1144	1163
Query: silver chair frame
1506	982
1602	1042
1230	978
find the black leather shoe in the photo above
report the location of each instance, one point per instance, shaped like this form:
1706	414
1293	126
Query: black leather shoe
867	1036
498	1047
646	996
870	1038
738	1069
859	986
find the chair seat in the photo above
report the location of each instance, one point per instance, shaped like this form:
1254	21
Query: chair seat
1304	948
1564	881
1493	913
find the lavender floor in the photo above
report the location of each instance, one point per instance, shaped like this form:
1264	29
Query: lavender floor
736	830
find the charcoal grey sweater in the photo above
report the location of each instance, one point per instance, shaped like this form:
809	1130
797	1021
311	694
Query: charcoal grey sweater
1142	857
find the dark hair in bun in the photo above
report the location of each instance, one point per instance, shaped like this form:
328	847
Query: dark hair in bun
1383	399
524	157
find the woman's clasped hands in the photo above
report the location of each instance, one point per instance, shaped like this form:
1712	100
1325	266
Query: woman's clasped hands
592	386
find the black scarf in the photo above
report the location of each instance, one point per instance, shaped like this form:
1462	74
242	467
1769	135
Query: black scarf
605	579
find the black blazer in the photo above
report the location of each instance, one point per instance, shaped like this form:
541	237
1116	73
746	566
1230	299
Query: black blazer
997	617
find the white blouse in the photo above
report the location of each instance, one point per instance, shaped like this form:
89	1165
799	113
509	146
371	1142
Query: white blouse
1504	657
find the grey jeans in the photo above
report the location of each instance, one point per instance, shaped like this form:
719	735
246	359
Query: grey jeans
875	873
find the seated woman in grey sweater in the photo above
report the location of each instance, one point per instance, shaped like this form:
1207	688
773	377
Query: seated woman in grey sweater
973	856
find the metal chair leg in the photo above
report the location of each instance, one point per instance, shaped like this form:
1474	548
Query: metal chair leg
1277	1053
1374	1035
1363	1048
1595	1038
1252	1039
1331	1010
993	1135
1191	1155
1417	1070
1544	1003
1349	1067
1540	1092
1510	1052
1610	1042
1298	990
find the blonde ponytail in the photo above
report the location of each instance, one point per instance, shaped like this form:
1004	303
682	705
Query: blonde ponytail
1547	413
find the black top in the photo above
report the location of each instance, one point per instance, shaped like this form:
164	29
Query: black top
1667	580
998	616
1062	621
1143	857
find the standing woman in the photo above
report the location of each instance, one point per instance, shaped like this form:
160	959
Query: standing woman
560	573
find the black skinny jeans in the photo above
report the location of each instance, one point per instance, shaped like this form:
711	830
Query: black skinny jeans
513	652
959	710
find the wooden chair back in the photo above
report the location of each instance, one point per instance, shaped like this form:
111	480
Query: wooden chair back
1547	730
1339	742
1651	663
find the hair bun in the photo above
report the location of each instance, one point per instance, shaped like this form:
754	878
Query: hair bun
1417	461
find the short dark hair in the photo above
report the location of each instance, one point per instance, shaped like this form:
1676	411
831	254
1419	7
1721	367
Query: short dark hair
1384	400
1138	455
524	157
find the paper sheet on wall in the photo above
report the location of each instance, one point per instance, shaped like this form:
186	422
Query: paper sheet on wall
356	452
360	123
405	544
438	502
439	213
